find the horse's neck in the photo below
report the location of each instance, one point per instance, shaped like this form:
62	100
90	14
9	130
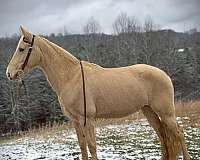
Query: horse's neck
58	65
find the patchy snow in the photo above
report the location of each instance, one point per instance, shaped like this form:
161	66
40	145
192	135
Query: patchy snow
131	141
181	50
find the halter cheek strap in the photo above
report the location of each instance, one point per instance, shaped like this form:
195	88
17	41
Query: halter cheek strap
29	52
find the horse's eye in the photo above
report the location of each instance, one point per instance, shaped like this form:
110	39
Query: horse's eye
21	49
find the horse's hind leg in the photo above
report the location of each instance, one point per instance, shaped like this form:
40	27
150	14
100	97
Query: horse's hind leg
155	122
174	136
172	128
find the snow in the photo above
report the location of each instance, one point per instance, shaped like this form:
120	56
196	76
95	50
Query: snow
181	50
131	141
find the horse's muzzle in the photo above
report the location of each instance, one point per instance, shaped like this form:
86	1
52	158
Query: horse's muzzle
14	76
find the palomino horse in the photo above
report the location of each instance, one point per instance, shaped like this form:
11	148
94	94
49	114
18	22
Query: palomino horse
108	93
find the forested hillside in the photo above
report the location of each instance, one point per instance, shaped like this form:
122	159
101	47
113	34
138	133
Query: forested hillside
34	104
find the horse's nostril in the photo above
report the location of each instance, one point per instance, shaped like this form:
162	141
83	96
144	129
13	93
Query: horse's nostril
8	74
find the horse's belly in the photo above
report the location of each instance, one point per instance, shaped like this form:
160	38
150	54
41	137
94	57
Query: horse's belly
120	104
116	111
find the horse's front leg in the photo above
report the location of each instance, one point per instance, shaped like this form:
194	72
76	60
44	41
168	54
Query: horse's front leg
91	137
82	140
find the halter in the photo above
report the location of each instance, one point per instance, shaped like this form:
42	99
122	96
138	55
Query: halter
29	51
82	73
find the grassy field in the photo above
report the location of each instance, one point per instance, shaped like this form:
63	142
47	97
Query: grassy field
191	110
183	109
116	139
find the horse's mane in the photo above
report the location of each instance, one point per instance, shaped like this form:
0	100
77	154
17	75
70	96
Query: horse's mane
65	54
60	51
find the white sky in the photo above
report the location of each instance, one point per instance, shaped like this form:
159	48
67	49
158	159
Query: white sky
47	16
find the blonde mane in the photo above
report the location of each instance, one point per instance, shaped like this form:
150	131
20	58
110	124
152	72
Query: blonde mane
60	51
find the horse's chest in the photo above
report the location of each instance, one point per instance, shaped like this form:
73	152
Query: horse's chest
70	103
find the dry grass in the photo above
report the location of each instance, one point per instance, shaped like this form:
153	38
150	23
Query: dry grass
191	110
183	109
42	132
187	108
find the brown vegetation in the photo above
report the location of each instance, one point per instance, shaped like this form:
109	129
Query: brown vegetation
189	110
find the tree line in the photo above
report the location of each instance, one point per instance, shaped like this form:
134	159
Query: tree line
33	103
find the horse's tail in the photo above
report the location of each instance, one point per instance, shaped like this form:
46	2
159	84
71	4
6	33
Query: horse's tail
169	133
171	142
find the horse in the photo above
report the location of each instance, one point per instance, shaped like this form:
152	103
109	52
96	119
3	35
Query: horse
87	91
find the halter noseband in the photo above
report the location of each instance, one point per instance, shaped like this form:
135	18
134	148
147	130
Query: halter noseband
29	51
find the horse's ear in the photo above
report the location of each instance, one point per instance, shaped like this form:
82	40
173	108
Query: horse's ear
27	35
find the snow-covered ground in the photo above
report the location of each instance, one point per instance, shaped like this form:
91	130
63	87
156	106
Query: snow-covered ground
134	141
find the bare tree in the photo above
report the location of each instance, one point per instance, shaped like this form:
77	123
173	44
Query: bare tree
121	23
92	26
125	24
150	25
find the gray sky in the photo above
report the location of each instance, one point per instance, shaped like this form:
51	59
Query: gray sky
47	16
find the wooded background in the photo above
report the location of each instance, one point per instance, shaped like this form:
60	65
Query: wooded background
35	104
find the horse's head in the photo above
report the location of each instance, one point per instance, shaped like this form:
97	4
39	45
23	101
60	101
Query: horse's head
26	56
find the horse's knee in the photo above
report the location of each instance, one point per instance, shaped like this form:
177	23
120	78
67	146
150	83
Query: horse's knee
82	143
92	148
91	141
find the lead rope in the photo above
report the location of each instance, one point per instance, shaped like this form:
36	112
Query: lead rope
84	97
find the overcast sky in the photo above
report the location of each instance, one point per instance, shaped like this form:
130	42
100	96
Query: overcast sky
47	16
